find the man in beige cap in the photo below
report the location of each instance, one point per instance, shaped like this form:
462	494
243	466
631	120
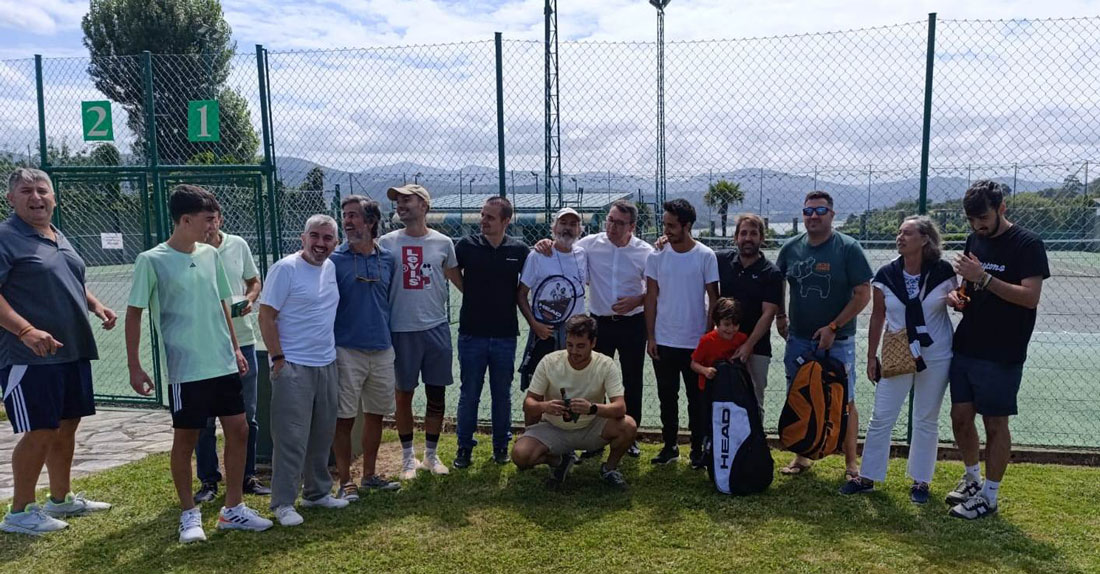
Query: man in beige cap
421	333
551	290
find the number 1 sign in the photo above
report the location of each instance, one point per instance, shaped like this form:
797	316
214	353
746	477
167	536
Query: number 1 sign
97	121
203	121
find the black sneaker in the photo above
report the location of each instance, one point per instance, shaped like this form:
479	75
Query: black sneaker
964	491
462	458
561	470
591	454
252	485
698	460
634	451
668	454
857	485
918	493
206	492
500	456
613	477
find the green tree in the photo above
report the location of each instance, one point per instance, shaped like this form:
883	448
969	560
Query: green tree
720	195
315	180
645	215
199	39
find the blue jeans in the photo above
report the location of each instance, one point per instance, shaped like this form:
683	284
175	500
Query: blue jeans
206	450
843	350
475	355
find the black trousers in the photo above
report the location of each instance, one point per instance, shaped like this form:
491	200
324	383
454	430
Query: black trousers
670	367
627	336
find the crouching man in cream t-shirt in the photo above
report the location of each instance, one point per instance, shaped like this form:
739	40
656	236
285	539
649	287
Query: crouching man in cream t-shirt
578	395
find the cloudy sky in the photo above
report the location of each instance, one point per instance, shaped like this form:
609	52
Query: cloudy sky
780	93
52	27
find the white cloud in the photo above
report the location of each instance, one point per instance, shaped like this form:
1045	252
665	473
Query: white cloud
43	17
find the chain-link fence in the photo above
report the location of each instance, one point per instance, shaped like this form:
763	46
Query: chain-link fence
844	112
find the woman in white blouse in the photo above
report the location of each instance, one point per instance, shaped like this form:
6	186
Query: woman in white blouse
910	295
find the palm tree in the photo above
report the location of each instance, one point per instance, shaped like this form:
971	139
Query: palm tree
720	195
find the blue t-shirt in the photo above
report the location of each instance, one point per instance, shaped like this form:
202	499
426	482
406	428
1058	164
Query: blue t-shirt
363	316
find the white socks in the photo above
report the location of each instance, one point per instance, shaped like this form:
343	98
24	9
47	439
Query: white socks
989	491
974	473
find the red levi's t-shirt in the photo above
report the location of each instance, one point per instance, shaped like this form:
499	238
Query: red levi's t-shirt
713	348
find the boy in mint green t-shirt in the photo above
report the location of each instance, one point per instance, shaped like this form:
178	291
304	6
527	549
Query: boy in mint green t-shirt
184	286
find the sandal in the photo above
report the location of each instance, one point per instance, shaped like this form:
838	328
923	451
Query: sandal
794	468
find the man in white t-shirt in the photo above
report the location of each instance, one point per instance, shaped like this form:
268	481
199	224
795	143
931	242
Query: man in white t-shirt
297	314
421	332
577	397
551	290
681	284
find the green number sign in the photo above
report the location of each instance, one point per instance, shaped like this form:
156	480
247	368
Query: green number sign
97	121
203	121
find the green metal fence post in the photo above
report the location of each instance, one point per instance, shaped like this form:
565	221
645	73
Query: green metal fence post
922	206
42	158
500	111
269	165
151	159
926	129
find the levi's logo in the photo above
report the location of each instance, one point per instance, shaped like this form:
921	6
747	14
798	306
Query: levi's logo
413	272
822	267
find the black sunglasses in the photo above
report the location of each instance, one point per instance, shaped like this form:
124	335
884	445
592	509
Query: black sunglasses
820	210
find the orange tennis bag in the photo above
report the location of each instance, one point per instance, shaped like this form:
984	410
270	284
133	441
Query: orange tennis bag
815	417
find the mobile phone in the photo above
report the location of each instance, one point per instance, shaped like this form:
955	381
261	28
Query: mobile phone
236	308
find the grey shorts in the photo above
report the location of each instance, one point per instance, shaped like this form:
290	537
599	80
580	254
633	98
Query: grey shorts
561	441
423	354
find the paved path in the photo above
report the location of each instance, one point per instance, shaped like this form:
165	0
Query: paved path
111	438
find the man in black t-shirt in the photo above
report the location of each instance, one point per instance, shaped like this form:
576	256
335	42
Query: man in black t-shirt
491	263
1003	266
747	276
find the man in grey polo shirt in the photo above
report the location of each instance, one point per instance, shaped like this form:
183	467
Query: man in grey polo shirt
244	282
45	353
421	336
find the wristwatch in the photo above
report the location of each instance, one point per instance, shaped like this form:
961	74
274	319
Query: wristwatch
832	326
277	358
592	409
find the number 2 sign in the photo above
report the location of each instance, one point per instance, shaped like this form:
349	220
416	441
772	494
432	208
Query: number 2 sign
203	121
97	121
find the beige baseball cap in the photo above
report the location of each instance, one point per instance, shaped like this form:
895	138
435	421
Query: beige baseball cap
567	211
410	189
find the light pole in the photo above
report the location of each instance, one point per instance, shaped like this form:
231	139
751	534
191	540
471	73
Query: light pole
416	177
660	5
471	186
574	180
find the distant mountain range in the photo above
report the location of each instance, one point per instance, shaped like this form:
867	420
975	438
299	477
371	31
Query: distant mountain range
782	192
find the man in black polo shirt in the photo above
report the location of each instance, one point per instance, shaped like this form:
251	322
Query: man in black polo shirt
748	276
491	263
1004	266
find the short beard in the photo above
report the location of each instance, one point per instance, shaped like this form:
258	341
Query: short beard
564	241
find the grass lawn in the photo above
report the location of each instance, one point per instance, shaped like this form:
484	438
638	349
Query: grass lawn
492	519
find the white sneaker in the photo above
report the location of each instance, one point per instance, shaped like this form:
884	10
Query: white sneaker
241	517
432	463
287	516
326	501
191	526
973	508
409	466
32	521
74	505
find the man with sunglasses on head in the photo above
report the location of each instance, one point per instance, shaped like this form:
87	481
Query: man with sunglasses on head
364	347
829	279
616	276
491	263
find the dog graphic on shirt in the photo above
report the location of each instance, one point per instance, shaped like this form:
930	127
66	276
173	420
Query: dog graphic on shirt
812	277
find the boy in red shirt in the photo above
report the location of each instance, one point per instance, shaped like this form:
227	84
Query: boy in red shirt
721	343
